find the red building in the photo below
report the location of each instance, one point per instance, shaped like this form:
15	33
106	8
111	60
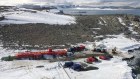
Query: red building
42	54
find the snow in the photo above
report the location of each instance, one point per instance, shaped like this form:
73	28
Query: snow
100	23
22	17
54	11
103	20
120	42
16	2
99	36
121	21
6	52
113	69
132	30
94	32
25	69
96	28
130	27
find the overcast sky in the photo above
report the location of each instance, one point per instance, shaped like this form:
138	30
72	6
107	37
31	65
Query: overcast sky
60	0
8	2
89	0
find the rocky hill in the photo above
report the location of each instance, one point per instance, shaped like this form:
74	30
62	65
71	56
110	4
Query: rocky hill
88	28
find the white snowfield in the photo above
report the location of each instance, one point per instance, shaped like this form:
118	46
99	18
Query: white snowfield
23	17
25	69
112	69
120	42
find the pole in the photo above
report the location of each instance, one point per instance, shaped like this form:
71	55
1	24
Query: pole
65	70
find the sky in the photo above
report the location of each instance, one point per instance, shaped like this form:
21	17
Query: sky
14	2
90	0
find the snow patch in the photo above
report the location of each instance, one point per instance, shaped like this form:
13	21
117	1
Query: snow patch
120	42
22	17
94	32
104	22
131	29
100	23
121	21
96	28
100	36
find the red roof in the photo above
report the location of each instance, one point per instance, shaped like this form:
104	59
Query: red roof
24	55
61	52
33	54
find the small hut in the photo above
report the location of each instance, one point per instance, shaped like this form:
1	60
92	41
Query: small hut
101	48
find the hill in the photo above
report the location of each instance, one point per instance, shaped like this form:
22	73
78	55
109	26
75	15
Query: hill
88	28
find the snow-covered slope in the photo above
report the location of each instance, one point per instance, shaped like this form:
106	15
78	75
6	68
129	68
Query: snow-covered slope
22	17
112	69
120	42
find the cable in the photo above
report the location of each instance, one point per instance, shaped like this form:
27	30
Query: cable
65	70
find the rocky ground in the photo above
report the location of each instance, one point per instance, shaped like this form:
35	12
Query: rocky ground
88	28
